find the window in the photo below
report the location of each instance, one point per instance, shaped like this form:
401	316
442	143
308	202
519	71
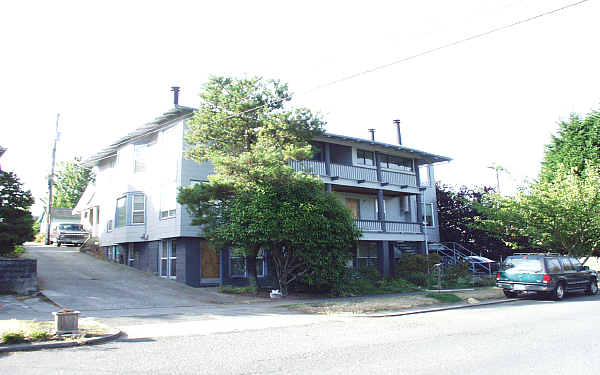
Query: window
566	264
130	255
121	212
575	263
139	209
109	226
428	218
354	207
168	201
396	162
238	263
168	259
365	157
367	254
553	265
424	175
142	155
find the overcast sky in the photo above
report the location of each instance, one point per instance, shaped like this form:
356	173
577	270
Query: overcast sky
107	67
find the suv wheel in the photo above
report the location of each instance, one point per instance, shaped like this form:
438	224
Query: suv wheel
559	292
510	294
592	289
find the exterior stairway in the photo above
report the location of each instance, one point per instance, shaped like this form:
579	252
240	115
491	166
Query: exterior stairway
452	253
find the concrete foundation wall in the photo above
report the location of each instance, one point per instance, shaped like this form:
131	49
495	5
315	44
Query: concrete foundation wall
18	276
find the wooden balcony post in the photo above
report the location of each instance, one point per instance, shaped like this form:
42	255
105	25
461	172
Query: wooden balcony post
327	159
378	165
380	209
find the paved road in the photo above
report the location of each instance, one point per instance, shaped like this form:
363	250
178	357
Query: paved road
526	337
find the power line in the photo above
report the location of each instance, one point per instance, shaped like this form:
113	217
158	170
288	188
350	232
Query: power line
448	45
412	57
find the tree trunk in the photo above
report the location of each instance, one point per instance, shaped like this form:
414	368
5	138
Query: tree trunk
590	253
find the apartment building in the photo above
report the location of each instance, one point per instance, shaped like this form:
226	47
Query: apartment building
132	207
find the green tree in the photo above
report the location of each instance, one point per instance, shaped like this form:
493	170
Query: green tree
457	219
576	146
244	129
71	180
16	222
562	215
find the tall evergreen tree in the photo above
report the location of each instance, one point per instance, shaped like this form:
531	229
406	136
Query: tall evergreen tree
16	222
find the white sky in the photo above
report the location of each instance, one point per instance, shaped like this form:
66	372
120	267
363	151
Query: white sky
107	67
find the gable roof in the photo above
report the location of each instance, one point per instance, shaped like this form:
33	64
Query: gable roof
63	213
154	126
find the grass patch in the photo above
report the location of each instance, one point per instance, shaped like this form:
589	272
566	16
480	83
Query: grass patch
30	331
444	297
237	289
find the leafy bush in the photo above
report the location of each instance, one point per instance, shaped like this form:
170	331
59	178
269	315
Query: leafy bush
40	335
11	338
414	268
457	276
368	281
16	253
238	289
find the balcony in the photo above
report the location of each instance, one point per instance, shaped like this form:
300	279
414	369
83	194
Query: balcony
388	226
359	174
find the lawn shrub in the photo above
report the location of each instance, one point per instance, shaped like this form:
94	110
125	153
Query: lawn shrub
415	268
11	338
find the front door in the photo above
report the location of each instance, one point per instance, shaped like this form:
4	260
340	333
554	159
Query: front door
210	264
167	266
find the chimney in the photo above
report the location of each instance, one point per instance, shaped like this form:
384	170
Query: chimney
175	90
372	131
397	122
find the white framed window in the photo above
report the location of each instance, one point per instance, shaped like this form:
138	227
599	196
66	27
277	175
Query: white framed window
424	175
428	217
121	212
238	264
109	226
366	254
130	255
168	201
167	266
138	209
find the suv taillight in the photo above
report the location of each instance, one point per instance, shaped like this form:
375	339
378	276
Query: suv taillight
498	276
546	279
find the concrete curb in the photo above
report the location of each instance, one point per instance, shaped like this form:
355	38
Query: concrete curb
436	309
61	344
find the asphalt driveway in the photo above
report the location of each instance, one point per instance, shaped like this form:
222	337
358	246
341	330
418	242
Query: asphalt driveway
81	282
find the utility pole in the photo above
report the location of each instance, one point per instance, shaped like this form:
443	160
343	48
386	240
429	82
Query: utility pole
51	183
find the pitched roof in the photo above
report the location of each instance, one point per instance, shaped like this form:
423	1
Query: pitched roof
63	213
180	112
425	156
158	123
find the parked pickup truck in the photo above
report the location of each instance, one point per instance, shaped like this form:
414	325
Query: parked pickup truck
72	234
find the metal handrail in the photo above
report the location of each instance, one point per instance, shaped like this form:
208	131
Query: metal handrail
460	252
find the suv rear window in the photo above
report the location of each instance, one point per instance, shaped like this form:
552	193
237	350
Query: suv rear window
552	265
566	264
524	265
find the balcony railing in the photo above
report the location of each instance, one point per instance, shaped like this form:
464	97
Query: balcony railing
352	172
388	226
309	166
